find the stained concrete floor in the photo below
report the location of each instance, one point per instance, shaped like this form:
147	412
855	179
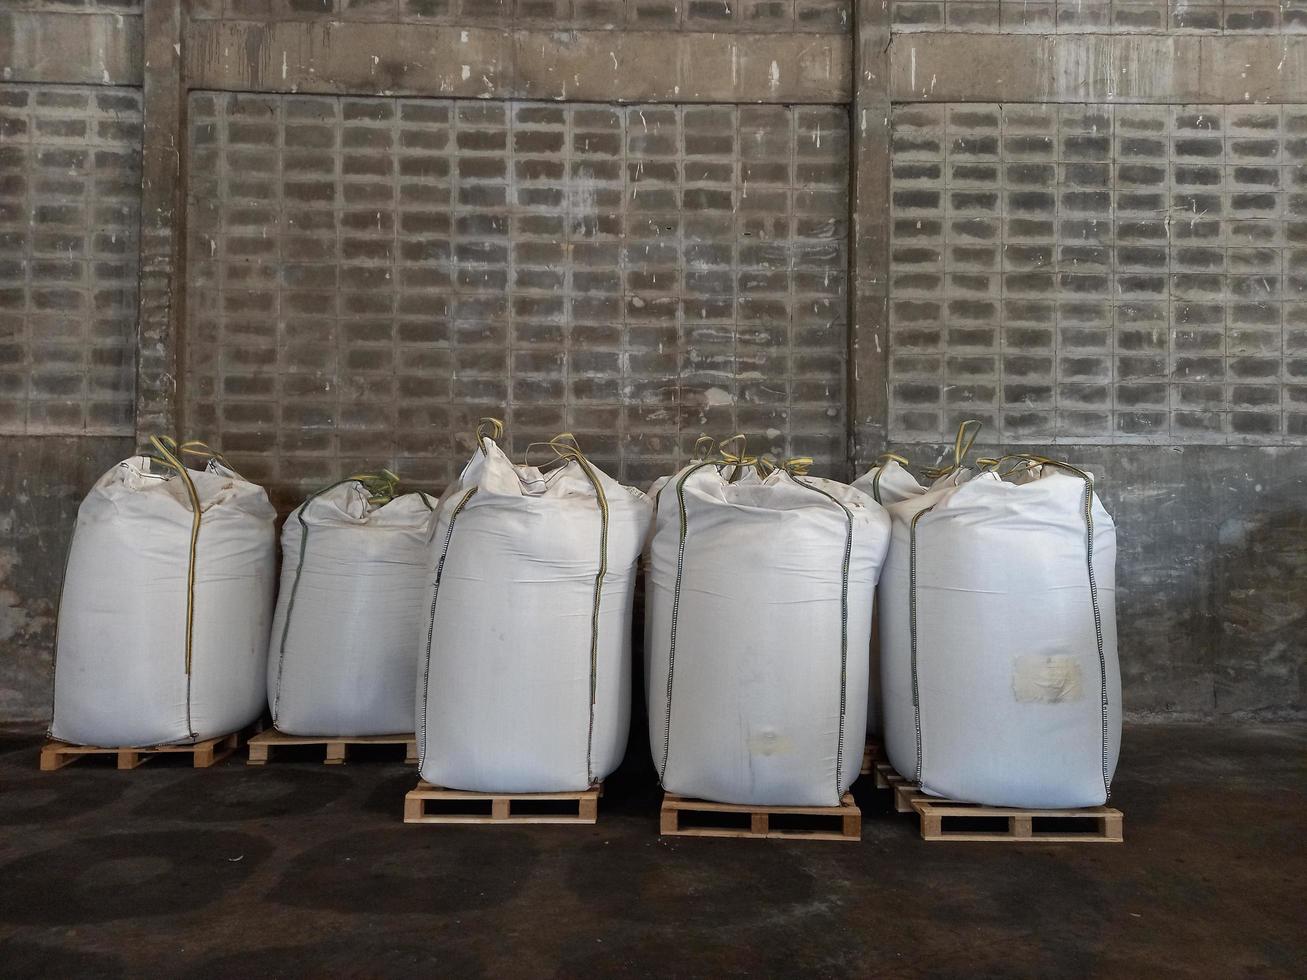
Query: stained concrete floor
300	870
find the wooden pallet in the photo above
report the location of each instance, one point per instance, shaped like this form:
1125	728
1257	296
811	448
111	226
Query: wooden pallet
337	748
950	820
904	791
465	807
870	756
843	822
205	753
940	819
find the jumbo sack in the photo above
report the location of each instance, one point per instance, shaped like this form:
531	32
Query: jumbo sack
166	604
525	676
758	619
998	640
344	648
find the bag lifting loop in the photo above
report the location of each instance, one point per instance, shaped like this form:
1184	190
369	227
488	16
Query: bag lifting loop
567	449
169	455
488	427
966	438
880	461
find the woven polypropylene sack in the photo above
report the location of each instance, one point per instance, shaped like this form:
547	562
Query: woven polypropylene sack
525	680
998	642
120	674
344	647
758	620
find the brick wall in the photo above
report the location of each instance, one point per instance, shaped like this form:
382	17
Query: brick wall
1099	273
69	223
369	276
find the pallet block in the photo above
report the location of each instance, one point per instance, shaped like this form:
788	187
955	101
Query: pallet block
843	822
469	807
205	753
337	748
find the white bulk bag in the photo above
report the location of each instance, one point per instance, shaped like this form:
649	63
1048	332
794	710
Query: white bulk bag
998	642
121	667
344	647
758	618
525	679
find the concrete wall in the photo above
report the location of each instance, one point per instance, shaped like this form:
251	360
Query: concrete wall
326	234
371	276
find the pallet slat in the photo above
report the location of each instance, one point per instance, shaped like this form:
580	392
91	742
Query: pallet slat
337	748
205	753
505	808
812	822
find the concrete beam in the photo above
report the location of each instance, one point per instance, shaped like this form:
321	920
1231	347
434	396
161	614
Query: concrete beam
330	57
163	222
71	49
1128	68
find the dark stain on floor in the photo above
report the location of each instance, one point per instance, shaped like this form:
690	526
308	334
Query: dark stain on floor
300	870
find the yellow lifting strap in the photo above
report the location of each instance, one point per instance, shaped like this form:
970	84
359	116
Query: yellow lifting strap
1036	460
567	448
170	455
733	452
739	460
994	464
491	427
966	437
382	486
194	447
881	460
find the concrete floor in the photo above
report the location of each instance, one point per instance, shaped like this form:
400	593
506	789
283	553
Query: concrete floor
302	870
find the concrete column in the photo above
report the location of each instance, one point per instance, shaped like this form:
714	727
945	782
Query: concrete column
869	233
163	220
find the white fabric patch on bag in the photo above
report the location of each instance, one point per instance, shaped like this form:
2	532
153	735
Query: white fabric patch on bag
770	743
1048	680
